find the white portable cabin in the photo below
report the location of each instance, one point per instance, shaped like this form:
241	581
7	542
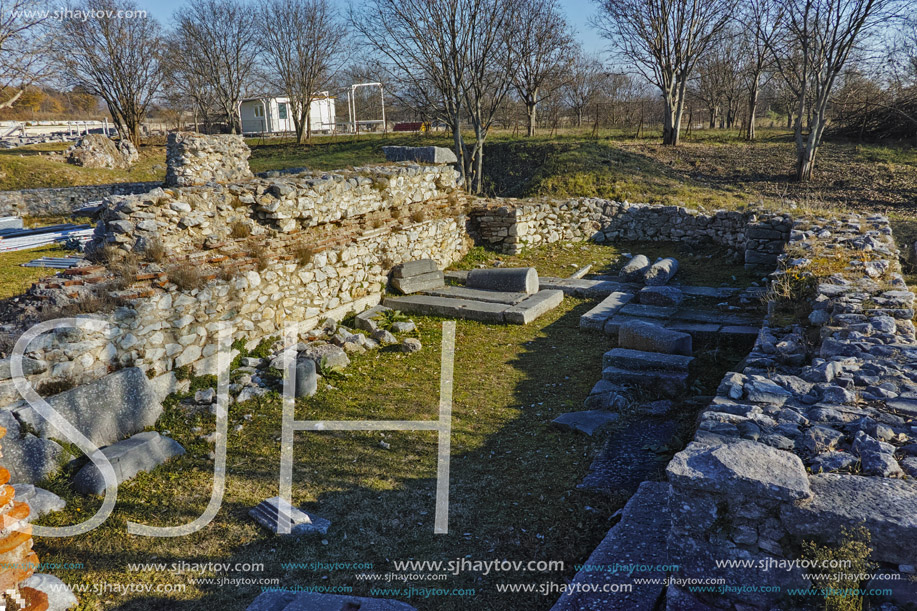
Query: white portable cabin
275	116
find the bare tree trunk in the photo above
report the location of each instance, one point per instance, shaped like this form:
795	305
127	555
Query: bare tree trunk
531	109
752	109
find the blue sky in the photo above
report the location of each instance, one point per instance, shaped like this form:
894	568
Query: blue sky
578	13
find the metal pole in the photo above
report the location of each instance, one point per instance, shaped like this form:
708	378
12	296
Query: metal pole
382	96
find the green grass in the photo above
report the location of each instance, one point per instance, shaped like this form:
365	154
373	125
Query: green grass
24	168
513	478
15	279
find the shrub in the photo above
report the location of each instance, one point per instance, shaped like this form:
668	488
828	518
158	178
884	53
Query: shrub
850	557
418	216
187	277
155	252
303	253
258	252
387	318
239	230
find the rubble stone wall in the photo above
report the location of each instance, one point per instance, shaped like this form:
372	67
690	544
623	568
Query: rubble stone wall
62	201
196	159
510	226
246	265
818	432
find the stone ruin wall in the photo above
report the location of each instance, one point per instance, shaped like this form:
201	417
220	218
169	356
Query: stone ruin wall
801	447
196	159
62	201
510	226
325	244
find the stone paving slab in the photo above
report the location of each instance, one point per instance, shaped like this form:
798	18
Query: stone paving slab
588	421
268	514
461	292
532	307
595	318
640	360
587	288
647	311
666	384
639	538
429	305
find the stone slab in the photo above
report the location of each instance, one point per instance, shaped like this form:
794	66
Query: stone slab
422	154
418	284
746	468
886	506
268	514
365	320
744	331
312	601
415	268
638	539
626	358
142	452
586	288
649	337
647	311
707	291
595	318
448	307
662	296
666	384
461	292
588	421
698	330
106	410
534	306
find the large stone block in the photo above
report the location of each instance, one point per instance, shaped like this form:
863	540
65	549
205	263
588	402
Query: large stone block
105	411
419	283
745	468
415	268
423	154
640	335
886	507
142	452
595	318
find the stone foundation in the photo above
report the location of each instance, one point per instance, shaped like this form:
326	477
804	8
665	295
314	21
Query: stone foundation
511	226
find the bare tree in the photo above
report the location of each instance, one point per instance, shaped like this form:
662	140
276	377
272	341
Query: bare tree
302	42
820	37
761	22
115	54
22	46
187	85
663	40
584	84
451	56
541	45
219	39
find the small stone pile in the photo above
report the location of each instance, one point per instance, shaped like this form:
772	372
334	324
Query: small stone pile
98	151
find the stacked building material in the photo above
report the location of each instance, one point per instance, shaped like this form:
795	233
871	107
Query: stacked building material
18	559
24	239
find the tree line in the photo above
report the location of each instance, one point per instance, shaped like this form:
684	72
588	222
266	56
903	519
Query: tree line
470	65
